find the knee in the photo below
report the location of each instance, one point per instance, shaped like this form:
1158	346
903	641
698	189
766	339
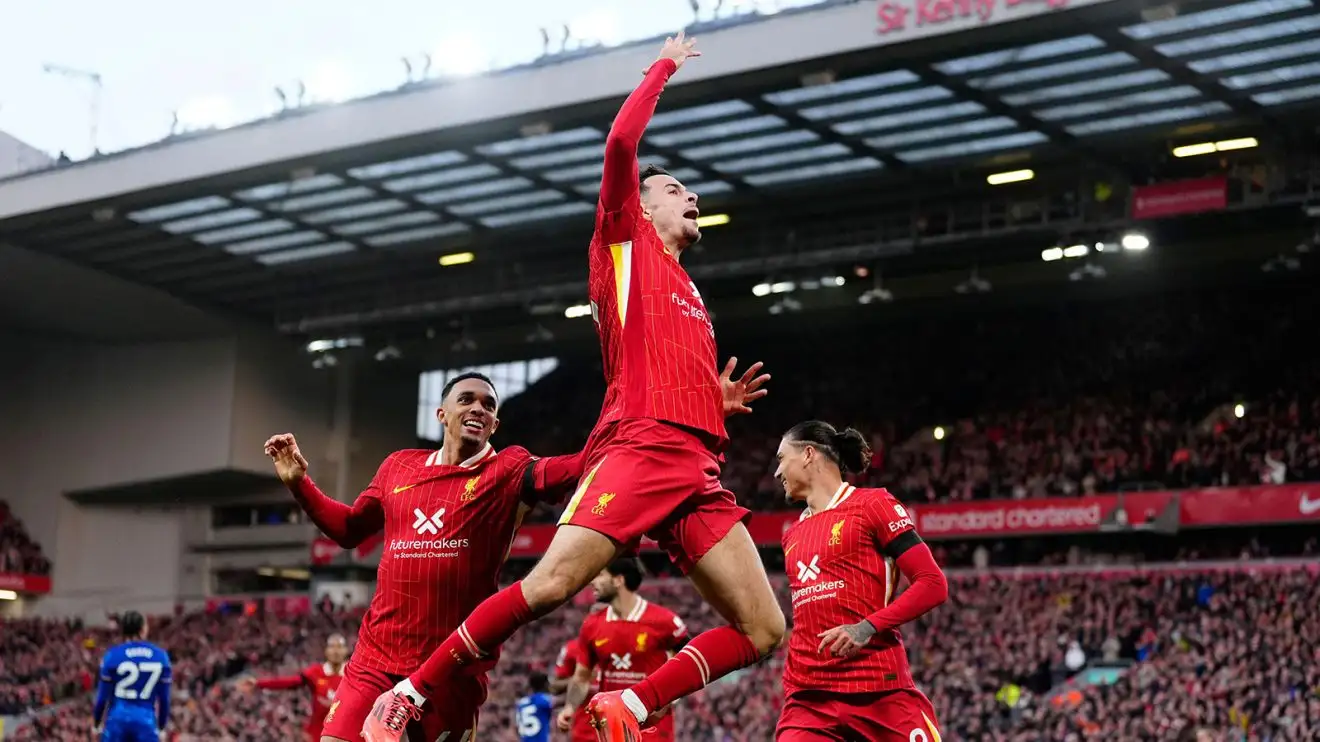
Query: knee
767	632
546	590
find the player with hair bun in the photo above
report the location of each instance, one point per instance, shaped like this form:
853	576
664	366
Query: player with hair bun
847	675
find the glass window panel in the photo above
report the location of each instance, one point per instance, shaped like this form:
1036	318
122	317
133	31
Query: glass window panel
1021	55
842	88
367	226
1101	84
211	221
1257	57
442	177
710	188
272	243
1216	17
878	103
909	118
416	235
559	157
290	187
506	202
1270	77
541	141
593	171
1241	36
1054	71
903	139
685	173
475	190
779	159
321	200
717	131
511	379
1162	116
812	172
1280	97
533	215
243	232
699	113
753	144
177	210
1135	100
305	253
407	165
979	146
357	211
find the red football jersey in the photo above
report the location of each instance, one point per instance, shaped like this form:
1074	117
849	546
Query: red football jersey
625	649
322	681
447	530
570	657
656	337
839	575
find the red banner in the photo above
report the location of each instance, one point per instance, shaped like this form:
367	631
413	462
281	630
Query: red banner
25	584
1181	197
1244	506
1200	508
324	550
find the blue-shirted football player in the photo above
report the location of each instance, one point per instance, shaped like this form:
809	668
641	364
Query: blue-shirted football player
133	697
533	711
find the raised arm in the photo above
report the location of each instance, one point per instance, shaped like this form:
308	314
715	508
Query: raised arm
619	182
346	525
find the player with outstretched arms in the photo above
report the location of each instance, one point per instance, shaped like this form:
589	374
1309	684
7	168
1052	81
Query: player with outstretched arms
624	643
133	695
653	460
320	680
847	675
571	657
448	517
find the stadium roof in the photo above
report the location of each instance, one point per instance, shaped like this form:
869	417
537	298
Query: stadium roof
275	224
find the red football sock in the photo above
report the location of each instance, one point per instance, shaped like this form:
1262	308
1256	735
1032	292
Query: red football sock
710	655
486	628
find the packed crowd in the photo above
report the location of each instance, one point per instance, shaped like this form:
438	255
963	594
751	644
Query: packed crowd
1235	652
1030	401
18	553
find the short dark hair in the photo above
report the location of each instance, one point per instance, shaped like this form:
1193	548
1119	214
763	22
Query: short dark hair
629	569
847	448
538	682
449	385
648	172
131	624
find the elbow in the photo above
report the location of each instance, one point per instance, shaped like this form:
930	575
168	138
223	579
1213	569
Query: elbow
939	589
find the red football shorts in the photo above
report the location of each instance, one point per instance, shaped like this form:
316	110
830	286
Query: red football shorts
648	478
891	716
451	718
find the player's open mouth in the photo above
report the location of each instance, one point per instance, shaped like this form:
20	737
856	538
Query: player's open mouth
476	426
691	213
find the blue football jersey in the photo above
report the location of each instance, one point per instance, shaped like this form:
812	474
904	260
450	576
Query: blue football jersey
135	688
533	717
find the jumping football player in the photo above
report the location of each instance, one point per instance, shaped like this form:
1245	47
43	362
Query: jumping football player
449	517
653	461
847	675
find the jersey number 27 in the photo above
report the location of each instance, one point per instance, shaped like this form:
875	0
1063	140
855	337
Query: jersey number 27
130	672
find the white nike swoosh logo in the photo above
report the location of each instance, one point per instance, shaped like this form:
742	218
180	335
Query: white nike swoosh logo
1307	505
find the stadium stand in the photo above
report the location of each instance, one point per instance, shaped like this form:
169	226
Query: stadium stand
19	554
1229	646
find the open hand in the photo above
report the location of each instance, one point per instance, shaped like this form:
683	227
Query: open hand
680	49
740	393
565	719
290	466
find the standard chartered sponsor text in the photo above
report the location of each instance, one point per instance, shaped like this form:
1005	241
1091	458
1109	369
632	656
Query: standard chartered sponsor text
1012	518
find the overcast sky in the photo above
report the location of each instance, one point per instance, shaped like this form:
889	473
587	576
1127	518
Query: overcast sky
159	56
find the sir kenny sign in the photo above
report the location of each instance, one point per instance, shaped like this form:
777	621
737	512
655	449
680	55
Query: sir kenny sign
925	17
